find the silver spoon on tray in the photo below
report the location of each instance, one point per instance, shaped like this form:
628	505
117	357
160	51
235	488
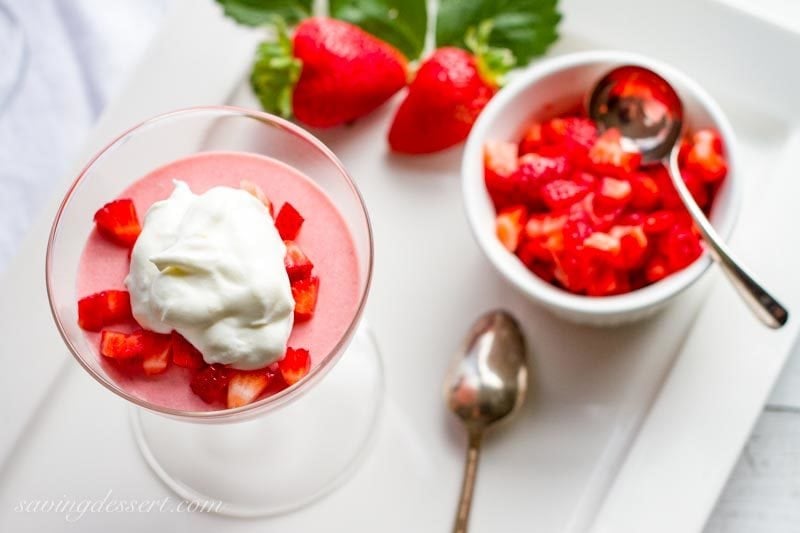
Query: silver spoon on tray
486	383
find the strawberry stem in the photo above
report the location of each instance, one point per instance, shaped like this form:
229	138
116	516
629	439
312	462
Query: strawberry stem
276	71
493	63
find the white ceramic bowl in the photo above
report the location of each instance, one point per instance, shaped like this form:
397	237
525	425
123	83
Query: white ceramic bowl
554	86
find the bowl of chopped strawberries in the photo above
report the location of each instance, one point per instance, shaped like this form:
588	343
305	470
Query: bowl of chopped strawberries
570	215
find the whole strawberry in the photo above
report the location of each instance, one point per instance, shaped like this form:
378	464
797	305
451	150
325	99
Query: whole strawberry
442	103
448	93
344	73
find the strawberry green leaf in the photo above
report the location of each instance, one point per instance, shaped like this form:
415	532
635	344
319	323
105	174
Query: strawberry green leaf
275	72
525	27
258	12
401	23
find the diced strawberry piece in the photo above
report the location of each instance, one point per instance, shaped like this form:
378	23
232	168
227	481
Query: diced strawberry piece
305	293
571	270
117	221
605	281
500	157
614	193
117	345
656	269
696	186
103	309
659	222
542	168
709	137
608	156
294	365
534	171
288	222
156	352
532	140
669	196
575	135
645	194
601	217
544	225
509	224
534	251
184	354
211	383
256	191
245	387
585	178
500	162
633	245
681	246
546	271
576	231
560	194
298	266
602	246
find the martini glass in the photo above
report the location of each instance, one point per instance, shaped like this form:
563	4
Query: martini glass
283	451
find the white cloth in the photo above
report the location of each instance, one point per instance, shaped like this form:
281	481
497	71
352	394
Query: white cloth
78	53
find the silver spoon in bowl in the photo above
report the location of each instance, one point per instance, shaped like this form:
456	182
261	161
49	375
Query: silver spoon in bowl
487	382
654	125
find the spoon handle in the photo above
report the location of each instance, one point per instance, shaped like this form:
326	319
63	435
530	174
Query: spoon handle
761	303
468	485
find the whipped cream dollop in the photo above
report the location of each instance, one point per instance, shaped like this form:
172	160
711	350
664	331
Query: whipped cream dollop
211	267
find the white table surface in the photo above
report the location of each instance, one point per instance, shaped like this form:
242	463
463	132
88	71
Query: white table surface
763	493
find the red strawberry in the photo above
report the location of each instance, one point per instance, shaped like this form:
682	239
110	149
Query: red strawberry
305	293
696	186
559	194
614	193
298	266
574	135
500	157
245	387
656	269
116	345
256	191
602	246
705	158
608	156
294	365
443	102
288	222
632	245
499	163
605	281
117	221
645	194
533	139
184	354
681	246
103	309
659	222
534	171
508	226
156	352
544	225
346	72
211	383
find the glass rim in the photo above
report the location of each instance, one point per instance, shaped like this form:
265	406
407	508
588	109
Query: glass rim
268	403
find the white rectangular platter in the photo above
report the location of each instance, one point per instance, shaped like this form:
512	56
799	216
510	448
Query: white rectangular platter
630	429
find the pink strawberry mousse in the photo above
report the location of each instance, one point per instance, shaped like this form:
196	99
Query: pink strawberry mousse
325	239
